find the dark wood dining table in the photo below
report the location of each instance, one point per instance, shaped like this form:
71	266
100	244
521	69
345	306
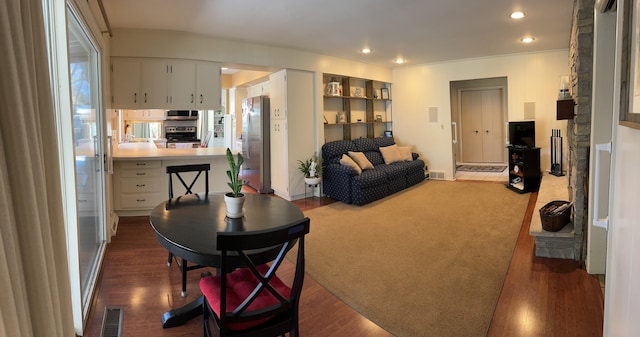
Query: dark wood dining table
187	226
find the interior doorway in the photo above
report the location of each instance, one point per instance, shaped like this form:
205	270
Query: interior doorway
479	115
481	125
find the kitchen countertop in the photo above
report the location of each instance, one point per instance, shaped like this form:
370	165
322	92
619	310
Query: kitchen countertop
148	151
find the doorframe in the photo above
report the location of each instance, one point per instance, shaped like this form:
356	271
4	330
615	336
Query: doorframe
456	87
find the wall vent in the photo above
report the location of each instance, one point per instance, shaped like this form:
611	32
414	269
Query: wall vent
436	175
112	322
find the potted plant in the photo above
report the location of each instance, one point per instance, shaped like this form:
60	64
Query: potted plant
234	200
312	169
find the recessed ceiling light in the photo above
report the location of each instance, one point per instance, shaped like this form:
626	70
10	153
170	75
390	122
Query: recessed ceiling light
527	39
365	50
517	15
399	60
224	68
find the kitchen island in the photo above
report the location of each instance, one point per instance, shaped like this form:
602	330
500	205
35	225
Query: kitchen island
140	181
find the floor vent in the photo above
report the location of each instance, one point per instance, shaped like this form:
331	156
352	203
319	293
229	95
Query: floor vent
437	175
112	322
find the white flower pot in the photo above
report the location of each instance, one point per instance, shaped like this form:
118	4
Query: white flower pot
234	205
312	181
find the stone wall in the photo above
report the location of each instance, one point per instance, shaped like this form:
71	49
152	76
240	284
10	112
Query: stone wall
579	128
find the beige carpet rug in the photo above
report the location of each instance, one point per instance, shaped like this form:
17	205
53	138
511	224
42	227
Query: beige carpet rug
428	261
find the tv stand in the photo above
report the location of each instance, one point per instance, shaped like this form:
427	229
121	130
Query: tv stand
524	169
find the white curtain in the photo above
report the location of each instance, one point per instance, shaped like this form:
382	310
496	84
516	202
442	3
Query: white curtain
35	298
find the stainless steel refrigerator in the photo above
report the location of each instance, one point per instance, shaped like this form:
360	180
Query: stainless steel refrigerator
256	143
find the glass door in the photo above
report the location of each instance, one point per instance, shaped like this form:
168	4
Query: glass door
84	78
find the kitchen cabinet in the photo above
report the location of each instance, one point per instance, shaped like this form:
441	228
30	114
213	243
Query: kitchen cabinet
138	83
138	185
182	89
143	83
154	85
142	115
279	160
260	89
359	108
126	75
291	104
278	98
208	88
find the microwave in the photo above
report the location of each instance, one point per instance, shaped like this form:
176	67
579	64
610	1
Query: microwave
182	115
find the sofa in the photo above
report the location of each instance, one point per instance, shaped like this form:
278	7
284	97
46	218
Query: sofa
353	185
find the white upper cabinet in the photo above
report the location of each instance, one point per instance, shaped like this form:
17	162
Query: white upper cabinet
278	95
208	86
155	84
182	85
260	89
142	83
139	115
125	83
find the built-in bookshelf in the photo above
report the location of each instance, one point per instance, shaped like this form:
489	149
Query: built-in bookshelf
356	107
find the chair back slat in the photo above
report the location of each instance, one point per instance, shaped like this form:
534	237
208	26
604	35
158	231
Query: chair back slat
241	244
262	239
188	187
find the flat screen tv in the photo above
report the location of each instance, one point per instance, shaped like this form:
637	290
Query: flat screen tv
522	134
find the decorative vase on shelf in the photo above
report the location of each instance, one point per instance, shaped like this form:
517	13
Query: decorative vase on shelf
234	205
333	88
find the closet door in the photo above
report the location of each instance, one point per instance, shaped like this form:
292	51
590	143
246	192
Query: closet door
471	109
492	126
482	125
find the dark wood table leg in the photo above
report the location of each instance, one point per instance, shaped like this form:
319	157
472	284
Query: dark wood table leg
179	316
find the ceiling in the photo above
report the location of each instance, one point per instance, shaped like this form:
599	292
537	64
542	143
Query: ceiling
420	31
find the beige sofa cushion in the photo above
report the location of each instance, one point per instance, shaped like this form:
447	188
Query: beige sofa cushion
391	154
361	159
347	161
405	152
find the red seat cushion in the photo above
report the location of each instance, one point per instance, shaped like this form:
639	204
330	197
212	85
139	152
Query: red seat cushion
240	283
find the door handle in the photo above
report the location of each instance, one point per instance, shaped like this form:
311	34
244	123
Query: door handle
110	159
597	221
455	132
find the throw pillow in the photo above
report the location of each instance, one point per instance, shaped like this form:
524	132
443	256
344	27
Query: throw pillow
391	154
405	152
347	161
361	159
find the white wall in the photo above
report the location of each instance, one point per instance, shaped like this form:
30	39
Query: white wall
531	77
172	44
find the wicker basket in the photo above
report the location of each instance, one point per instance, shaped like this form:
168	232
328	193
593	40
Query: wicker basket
554	222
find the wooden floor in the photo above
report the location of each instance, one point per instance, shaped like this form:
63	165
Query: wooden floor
540	297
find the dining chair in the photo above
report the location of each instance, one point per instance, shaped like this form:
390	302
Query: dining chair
253	300
182	172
